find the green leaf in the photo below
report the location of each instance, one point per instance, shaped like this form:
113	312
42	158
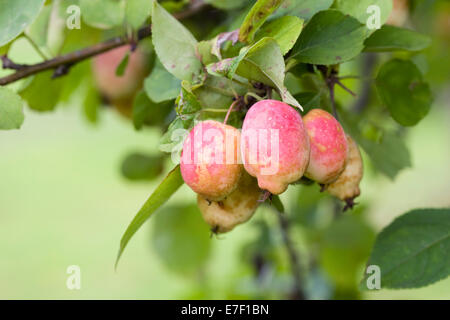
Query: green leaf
389	154
174	45
345	246
139	166
145	111
402	89
15	16
256	17
137	12
390	38
358	9
42	94
181	238
303	9
161	85
285	30
264	62
120	70
330	37
91	103
171	183
413	251
11	110
102	14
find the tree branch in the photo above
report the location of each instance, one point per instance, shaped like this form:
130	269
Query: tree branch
293	257
62	64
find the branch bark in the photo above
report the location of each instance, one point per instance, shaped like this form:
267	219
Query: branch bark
63	63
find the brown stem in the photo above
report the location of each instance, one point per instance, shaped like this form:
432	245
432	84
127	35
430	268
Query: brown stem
229	111
62	64
293	257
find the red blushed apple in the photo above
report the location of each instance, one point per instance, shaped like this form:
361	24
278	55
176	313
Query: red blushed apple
210	161
328	146
274	145
120	90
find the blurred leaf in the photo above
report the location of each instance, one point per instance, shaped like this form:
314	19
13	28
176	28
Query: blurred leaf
303	9
228	4
358	9
161	85
389	154
172	140
120	70
11	109
264	62
403	90
413	251
137	12
103	14
145	111
256	17
330	37
308	100
174	45
42	94
285	30
218	92
345	245
38	30
277	204
163	192
181	238
15	16
139	166
390	38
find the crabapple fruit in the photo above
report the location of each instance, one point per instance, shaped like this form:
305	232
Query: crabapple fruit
235	209
274	145
120	90
346	187
210	161
328	146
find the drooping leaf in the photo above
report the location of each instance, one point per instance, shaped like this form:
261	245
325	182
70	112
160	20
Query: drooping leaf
330	37
103	14
403	90
11	109
137	11
171	183
256	17
15	16
140	166
91	103
303	9
360	9
285	30
181	238
174	45
264	62
161	85
413	251
390	38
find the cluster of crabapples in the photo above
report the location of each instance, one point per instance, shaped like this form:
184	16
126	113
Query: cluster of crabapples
230	170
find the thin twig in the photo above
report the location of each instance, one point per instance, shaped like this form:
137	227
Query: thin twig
62	64
293	257
344	87
229	111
